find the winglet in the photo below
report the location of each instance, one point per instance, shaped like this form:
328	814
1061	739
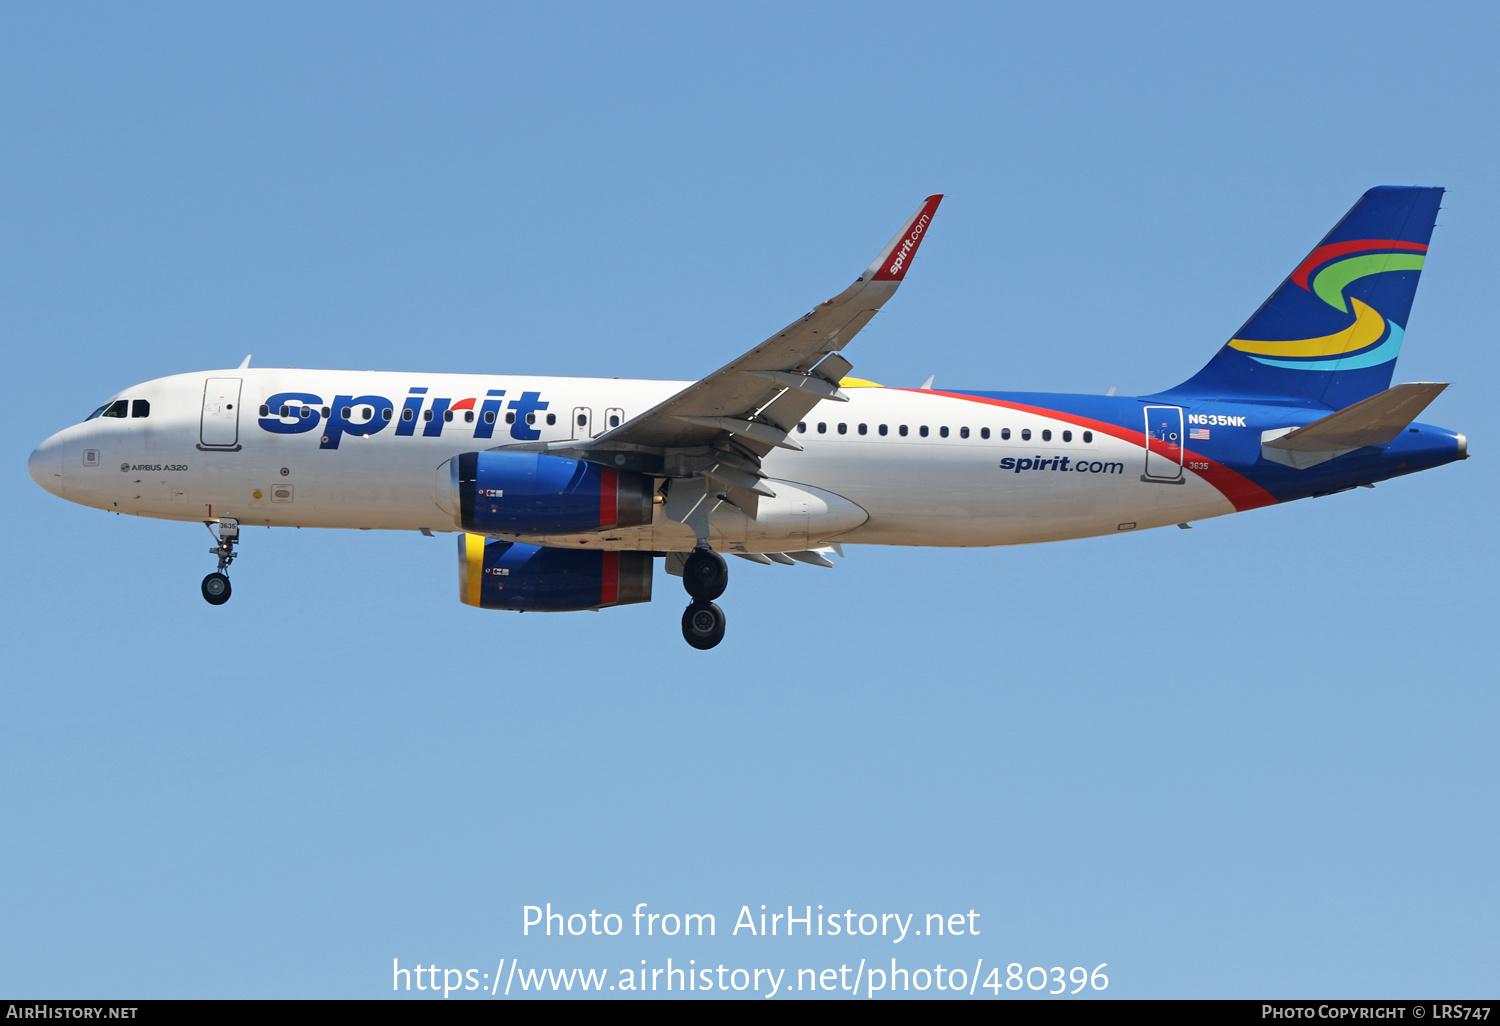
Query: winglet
896	258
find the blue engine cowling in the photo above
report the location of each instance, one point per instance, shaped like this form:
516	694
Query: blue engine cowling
529	493
495	574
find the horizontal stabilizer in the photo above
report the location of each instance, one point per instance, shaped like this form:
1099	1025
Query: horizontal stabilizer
1373	421
1377	420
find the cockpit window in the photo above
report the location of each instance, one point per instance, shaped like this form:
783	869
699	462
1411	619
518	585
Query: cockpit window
97	413
118	408
141	408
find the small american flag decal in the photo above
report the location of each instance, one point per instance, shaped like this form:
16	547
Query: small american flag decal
1198	435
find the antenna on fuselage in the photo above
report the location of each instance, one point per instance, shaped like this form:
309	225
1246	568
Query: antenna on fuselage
928	383
244	363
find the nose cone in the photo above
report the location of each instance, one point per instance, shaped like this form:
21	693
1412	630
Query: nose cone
45	465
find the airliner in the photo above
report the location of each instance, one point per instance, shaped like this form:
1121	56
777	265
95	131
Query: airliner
564	491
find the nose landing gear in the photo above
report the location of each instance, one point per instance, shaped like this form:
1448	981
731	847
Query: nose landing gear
705	575
216	588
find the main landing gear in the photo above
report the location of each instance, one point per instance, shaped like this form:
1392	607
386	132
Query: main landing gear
705	575
216	585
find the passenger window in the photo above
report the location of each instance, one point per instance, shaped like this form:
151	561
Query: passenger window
326	411
802	428
922	430
583	420
901	430
943	431
286	411
140	408
1067	436
1026	434
1046	434
510	418
963	432
265	411
307	412
385	414
614	420
822	428
407	415
448	416
1088	436
489	416
426	414
367	412
843	429
882	429
468	416
531	418
551	418
864	429
344	413
984	432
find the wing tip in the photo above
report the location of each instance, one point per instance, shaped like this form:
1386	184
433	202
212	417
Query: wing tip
897	257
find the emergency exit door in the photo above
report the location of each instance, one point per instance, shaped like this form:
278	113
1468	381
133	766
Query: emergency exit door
583	422
220	427
1164	443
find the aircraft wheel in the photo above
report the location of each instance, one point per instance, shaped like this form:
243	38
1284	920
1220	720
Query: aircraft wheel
705	575
216	589
703	625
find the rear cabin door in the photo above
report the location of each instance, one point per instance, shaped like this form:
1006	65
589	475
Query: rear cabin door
1164	443
220	428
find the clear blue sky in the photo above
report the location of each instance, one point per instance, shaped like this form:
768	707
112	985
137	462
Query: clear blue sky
1253	758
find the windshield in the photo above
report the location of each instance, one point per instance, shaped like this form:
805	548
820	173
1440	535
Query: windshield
119	408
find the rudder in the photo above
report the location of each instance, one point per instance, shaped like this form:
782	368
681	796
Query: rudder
1330	334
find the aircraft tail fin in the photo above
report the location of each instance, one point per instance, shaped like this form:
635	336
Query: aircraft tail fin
1330	334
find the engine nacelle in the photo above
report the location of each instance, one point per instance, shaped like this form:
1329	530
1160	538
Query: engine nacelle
533	493
495	574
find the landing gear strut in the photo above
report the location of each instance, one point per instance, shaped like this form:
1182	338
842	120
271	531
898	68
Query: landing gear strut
705	575
216	585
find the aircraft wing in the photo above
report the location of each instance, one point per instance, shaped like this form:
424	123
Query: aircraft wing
752	404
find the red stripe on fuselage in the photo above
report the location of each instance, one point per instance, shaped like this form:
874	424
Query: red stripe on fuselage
1241	492
609	497
1323	254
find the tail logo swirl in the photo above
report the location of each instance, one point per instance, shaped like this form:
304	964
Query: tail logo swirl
1371	339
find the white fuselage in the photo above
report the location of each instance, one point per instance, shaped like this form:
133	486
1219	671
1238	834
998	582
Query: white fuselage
921	488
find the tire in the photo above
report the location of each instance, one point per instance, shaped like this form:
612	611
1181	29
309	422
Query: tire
216	589
705	575
703	625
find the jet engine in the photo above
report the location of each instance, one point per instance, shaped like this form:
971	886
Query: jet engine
495	574
528	493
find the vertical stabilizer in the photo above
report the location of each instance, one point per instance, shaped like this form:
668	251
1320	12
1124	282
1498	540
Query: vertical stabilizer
1329	336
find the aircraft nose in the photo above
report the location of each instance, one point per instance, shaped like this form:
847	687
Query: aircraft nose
45	465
